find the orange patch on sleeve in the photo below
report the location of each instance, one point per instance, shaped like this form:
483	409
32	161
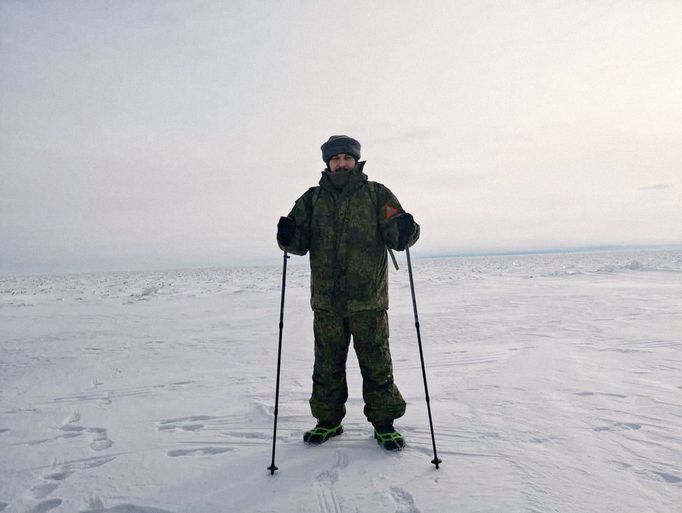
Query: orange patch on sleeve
391	211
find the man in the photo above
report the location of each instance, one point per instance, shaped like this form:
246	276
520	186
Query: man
346	223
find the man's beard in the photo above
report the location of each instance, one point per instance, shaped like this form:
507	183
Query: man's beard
340	178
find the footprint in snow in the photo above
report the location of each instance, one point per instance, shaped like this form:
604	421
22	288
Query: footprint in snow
200	451
49	483
341	459
669	478
42	490
54	478
605	394
325	481
326	496
88	463
327	477
71	431
59	475
619	426
100	439
127	508
404	502
251	436
44	506
94	504
186	427
192	423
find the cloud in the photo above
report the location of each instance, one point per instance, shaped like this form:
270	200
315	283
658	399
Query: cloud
657	187
178	135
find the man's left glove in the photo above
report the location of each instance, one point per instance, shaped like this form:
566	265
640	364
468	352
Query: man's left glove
286	228
406	227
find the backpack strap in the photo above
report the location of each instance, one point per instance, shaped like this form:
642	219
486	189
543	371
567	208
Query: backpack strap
317	190
374	196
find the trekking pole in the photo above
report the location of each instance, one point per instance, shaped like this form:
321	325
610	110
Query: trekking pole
395	262
435	459
272	466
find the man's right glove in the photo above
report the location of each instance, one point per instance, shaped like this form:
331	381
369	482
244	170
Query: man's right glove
406	227
286	228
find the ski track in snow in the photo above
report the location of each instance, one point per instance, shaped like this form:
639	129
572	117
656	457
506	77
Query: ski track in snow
554	386
326	496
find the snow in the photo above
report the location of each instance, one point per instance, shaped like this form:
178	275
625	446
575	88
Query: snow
554	379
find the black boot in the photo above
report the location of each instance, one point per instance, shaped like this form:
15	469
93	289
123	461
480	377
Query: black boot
322	432
389	438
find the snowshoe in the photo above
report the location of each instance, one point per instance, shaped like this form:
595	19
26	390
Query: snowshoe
321	433
389	438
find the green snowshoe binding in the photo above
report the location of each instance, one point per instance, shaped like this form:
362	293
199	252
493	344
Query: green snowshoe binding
389	438
321	433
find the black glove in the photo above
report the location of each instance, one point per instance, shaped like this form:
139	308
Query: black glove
286	228
406	226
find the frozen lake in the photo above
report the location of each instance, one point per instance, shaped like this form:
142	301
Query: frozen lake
555	386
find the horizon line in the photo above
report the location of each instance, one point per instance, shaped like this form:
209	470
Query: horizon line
269	261
554	250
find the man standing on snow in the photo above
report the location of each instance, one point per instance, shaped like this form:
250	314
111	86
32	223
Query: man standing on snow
346	223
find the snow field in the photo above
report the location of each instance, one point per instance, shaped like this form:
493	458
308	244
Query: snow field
554	383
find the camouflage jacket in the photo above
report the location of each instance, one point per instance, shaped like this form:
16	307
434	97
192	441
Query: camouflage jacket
347	233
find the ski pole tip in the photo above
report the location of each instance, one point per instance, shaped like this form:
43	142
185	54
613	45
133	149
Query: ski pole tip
437	462
272	469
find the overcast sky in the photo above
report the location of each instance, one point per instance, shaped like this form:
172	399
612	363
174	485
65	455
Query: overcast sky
157	134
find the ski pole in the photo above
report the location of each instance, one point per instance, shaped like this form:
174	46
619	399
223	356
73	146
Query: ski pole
395	262
272	466
435	459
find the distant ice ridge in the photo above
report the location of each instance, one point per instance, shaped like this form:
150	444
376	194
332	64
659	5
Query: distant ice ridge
132	287
445	271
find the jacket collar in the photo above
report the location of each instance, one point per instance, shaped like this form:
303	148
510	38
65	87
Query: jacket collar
356	179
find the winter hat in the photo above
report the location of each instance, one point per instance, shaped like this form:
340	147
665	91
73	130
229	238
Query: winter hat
340	144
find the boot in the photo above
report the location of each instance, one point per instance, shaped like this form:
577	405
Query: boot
389	438
322	432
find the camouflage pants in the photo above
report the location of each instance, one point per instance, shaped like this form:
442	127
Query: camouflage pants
369	329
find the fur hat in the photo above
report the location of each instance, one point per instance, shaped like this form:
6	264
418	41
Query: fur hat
340	144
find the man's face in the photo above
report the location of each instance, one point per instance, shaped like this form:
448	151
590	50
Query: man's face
341	162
